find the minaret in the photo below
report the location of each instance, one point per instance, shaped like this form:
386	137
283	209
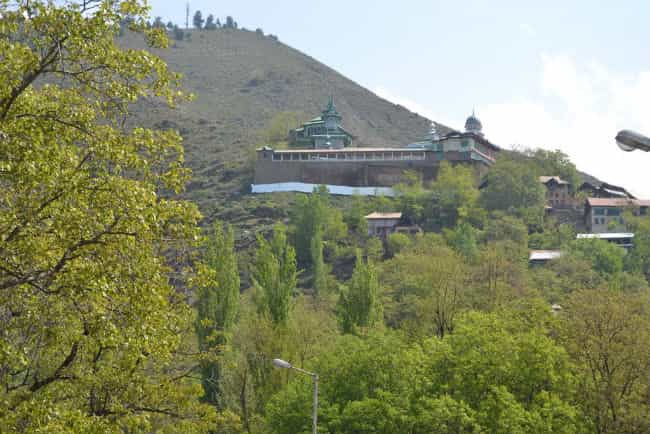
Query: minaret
433	135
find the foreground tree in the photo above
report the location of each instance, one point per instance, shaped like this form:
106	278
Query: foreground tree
497	373
217	305
608	334
93	331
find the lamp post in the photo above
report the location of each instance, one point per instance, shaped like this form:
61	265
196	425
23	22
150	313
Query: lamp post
279	363
629	141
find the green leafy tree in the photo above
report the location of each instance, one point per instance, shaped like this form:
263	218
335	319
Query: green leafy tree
554	163
608	334
275	275
308	217
355	217
496	373
464	240
427	288
413	198
94	334
374	249
605	258
319	282
499	275
514	187
455	194
209	23
397	242
359	306
217	305
638	260
198	20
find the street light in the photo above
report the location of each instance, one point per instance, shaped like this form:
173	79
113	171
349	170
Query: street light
629	141
279	363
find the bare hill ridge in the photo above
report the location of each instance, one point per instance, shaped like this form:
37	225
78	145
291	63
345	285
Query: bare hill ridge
241	80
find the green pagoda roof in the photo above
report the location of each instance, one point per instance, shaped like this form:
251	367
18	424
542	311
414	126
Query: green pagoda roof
330	110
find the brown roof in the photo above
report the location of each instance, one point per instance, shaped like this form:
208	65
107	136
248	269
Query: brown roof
616	201
384	216
545	179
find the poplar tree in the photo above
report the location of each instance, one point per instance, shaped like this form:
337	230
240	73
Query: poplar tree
359	305
275	275
209	23
198	20
217	305
318	264
309	217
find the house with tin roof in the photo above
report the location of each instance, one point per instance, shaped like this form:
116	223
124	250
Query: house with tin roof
605	214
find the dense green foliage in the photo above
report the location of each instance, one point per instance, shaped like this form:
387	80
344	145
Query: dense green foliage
275	275
513	187
94	336
217	305
359	304
447	331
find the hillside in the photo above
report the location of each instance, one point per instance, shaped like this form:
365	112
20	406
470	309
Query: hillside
241	80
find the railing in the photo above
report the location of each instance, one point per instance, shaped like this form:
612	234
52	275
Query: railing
350	156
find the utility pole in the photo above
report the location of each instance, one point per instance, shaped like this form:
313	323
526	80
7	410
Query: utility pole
187	16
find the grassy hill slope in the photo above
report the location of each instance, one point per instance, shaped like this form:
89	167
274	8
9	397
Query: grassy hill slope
241	80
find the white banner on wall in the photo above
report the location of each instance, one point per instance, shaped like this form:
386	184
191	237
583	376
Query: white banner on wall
302	187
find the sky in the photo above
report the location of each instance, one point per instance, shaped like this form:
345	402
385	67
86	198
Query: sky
561	75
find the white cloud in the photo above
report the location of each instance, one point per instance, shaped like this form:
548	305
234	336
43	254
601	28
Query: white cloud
527	29
582	109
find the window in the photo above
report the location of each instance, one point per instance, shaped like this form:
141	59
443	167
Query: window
613	211
599	211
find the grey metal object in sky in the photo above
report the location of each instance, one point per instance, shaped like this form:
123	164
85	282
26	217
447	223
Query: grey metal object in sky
629	141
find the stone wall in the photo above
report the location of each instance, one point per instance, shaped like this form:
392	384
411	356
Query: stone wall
352	173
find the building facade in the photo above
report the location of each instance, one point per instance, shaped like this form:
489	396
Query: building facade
335	163
381	224
558	192
605	215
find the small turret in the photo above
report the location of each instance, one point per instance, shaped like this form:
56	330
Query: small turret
473	125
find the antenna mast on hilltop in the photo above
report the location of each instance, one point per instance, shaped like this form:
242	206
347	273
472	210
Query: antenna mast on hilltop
187	15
